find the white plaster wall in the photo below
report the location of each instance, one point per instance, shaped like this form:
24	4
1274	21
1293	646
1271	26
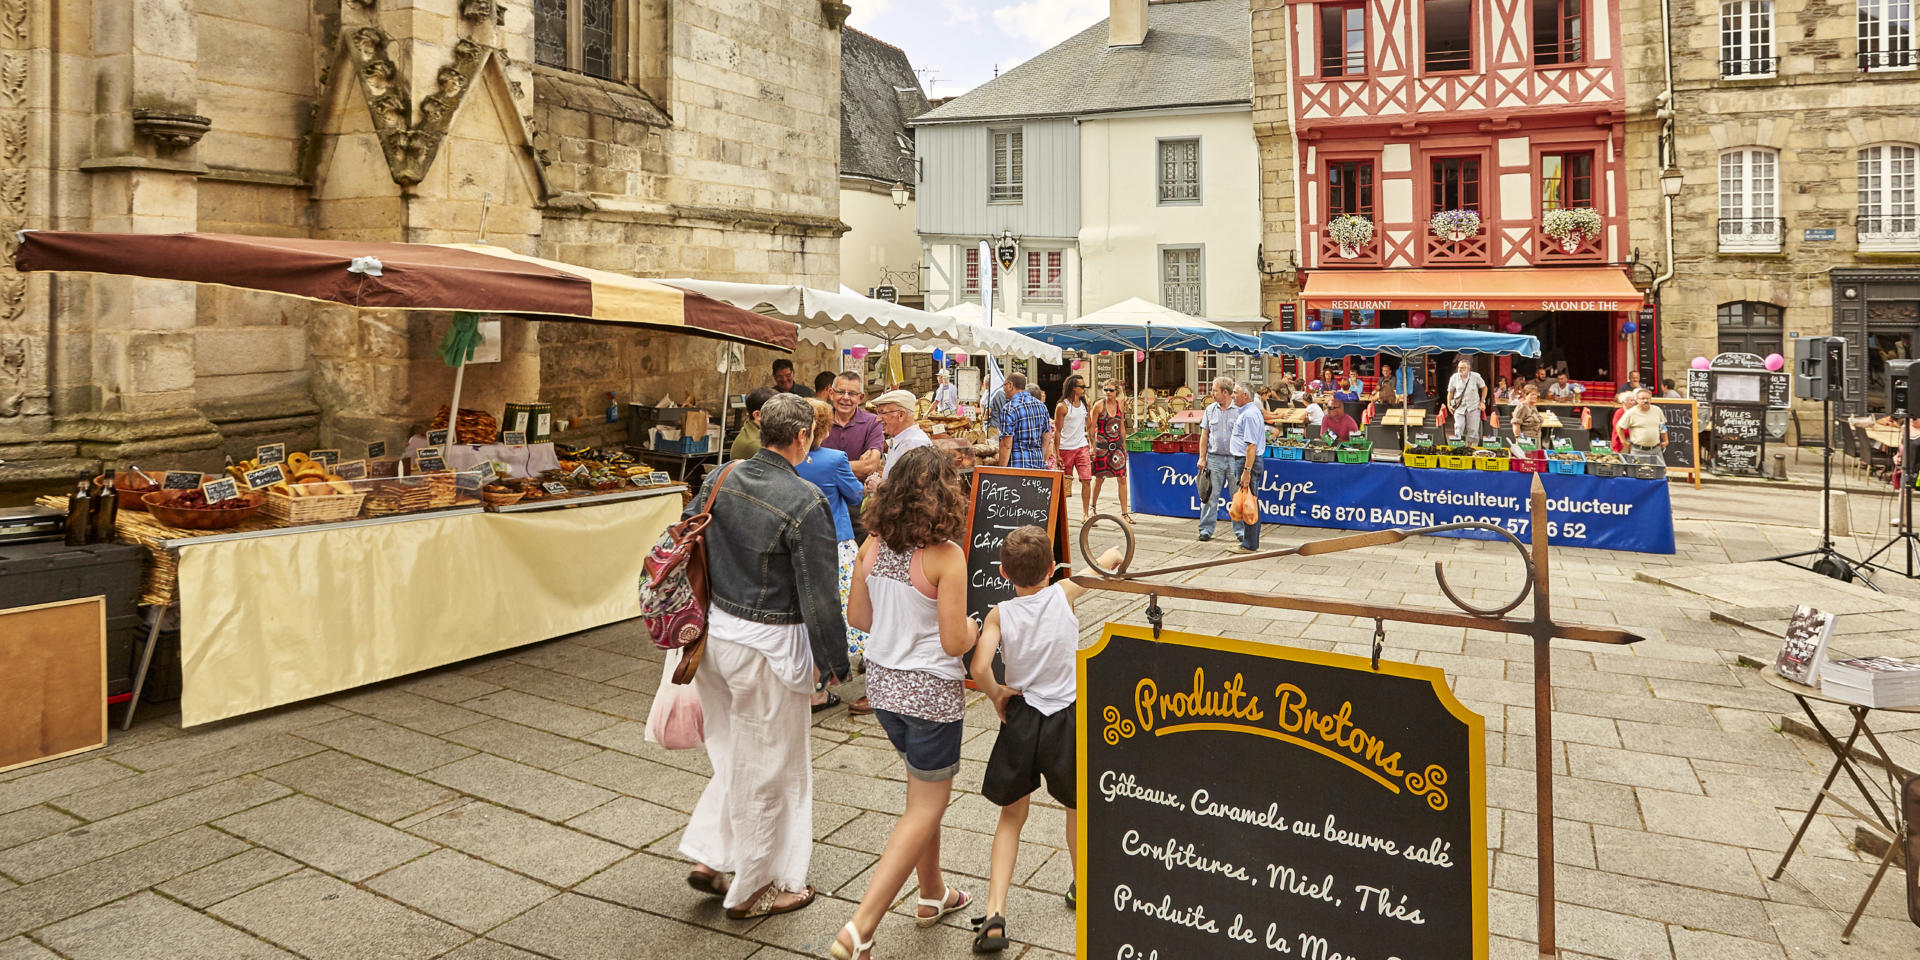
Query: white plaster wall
878	235
1123	225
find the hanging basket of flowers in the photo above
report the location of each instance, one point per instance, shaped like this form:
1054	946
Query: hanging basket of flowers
1350	231
1571	227
1455	225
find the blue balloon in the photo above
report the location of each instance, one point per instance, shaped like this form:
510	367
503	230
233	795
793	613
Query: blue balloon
1315	325
939	355
1629	327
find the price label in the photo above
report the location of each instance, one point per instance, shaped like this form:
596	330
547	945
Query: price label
1297	432
351	469
514	438
180	480
271	453
430	460
266	476
437	438
484	469
330	456
376	449
218	491
657	478
579	470
1562	443
557	489
467	482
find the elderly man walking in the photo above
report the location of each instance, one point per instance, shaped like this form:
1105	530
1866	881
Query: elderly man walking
1249	445
1217	455
1466	398
772	567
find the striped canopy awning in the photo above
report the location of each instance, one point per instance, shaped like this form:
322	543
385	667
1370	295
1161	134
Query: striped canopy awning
404	276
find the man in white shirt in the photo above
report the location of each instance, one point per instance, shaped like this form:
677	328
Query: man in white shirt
946	396
1466	398
1216	453
895	410
1249	446
1564	389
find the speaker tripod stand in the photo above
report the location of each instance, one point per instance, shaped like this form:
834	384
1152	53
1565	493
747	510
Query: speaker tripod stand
1909	543
1830	563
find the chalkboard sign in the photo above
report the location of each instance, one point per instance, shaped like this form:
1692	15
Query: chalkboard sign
1735	457
1697	386
430	460
221	490
1778	386
351	469
1004	500
1732	422
1242	800
376	449
1682	434
266	476
181	480
270	453
331	457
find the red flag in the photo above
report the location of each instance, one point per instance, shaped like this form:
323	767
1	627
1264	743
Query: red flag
1367	417
1586	419
1441	420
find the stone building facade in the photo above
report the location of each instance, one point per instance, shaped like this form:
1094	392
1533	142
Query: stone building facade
1794	124
652	137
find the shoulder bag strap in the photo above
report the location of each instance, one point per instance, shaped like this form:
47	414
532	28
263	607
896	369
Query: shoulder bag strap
698	522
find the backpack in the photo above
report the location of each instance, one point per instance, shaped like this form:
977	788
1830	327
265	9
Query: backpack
673	586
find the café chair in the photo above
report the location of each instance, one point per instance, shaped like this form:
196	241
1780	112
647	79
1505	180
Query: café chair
1849	445
1876	461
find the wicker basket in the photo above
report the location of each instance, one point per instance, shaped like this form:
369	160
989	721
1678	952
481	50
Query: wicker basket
321	509
494	499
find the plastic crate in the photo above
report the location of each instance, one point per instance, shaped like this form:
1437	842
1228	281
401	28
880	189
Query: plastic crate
1577	466
1140	442
683	446
1455	462
1354	456
1289	453
1412	457
1492	464
1537	463
1173	443
1595	469
1320	455
1646	466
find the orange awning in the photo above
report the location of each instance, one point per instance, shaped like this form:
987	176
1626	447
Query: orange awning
1522	288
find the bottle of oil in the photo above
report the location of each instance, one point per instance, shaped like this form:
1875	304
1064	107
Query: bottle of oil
106	509
79	515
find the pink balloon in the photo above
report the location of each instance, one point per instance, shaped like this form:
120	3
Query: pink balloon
1775	361
1701	363
1140	356
958	356
1417	319
859	353
1513	326
1076	364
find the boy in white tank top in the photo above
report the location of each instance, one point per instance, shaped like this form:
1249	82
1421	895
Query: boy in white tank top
1041	638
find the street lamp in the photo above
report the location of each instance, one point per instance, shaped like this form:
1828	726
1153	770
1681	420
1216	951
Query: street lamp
900	195
1671	181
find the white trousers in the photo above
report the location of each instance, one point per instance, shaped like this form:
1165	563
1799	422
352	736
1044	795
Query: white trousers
1466	423
755	819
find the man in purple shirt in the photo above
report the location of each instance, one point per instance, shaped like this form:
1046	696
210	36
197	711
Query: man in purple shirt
855	432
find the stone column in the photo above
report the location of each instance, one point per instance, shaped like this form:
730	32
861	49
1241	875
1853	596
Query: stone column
143	178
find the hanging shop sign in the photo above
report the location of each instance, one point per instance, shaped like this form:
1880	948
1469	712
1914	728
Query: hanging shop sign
1252	800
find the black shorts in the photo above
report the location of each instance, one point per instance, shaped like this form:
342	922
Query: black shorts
1032	745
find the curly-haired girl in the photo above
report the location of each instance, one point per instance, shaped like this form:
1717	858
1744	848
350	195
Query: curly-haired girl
910	594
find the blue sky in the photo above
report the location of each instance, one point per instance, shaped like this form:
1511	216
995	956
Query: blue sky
956	43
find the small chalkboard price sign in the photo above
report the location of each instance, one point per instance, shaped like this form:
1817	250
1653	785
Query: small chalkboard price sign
270	453
376	449
1004	500
181	480
266	476
1735	457
221	490
1698	385
1242	800
330	456
514	438
555	489
351	469
430	460
437	438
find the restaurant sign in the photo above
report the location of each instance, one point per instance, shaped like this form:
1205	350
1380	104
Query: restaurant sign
1428	302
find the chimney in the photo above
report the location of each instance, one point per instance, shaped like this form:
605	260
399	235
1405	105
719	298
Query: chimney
1127	27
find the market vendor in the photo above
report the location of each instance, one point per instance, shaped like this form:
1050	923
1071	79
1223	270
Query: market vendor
1643	427
1526	413
783	379
855	432
1337	423
946	397
747	442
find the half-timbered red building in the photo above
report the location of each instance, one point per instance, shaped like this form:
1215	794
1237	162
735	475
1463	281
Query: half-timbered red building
1461	163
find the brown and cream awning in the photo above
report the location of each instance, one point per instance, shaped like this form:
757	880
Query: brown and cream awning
403	276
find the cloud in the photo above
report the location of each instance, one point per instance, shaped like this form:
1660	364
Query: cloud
961	12
1047	22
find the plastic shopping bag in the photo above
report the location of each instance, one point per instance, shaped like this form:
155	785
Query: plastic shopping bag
1245	508
675	722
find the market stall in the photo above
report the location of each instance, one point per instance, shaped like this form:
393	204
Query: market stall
1140	328
300	573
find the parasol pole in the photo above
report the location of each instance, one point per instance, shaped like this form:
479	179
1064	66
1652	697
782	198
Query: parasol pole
453	409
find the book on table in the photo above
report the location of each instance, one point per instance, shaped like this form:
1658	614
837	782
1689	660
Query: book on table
1805	648
1872	681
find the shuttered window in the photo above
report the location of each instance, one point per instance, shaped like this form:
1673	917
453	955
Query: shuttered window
1044	277
1179	171
970	287
1180	280
1009	163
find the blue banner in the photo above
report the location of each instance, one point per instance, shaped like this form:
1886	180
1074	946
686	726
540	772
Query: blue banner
1605	513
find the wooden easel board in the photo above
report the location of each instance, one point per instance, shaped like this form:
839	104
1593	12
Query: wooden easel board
54	659
1682	454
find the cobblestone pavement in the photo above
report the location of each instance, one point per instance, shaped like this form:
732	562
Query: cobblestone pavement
509	808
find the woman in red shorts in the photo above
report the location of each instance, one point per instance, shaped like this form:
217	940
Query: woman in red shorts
1070	425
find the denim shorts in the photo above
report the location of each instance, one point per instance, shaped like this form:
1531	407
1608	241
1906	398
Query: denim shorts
930	748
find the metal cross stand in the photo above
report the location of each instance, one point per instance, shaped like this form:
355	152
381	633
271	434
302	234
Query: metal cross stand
1541	627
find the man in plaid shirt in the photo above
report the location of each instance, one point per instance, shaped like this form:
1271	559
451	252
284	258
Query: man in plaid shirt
1024	427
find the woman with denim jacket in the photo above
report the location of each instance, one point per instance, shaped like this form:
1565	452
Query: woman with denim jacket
774	616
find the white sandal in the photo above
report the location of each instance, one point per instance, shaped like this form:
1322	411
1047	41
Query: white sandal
842	953
941	908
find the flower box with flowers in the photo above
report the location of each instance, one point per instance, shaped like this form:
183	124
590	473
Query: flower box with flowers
1351	231
1571	227
1455	225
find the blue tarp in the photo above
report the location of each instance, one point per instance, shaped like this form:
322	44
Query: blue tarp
1095	337
1396	342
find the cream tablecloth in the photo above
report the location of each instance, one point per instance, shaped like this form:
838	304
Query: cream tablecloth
276	619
